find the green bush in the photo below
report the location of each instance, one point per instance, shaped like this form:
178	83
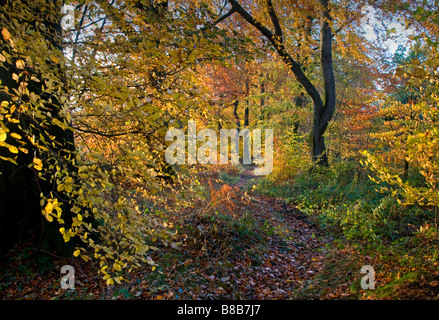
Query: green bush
347	204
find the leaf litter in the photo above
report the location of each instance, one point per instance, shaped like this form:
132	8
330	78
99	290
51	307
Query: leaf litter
264	249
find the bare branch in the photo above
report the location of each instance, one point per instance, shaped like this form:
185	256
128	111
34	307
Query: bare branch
107	134
352	19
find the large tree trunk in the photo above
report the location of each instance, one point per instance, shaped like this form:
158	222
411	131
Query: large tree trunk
318	144
21	185
323	112
246	116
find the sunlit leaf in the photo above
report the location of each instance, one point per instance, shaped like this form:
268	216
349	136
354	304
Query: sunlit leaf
6	34
38	164
13	149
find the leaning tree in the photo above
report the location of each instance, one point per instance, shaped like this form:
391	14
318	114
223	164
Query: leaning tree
300	31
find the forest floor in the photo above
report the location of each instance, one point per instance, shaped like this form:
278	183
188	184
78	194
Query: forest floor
263	248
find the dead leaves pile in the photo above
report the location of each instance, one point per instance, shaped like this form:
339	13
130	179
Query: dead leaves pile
270	251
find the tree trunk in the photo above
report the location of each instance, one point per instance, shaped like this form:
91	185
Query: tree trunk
328	77
323	112
406	169
20	185
235	114
318	145
247	110
262	100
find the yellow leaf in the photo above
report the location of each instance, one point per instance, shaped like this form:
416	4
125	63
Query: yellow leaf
2	58
65	236
15	135
49	208
6	34
110	281
9	159
76	222
2	135
13	149
76	253
38	164
68	188
54	58
19	64
116	266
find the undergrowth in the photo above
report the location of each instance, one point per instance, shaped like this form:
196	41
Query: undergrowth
349	207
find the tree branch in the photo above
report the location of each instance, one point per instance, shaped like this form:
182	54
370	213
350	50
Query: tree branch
225	16
343	26
275	21
326	63
280	48
108	135
247	17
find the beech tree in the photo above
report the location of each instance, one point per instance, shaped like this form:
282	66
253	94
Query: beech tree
323	107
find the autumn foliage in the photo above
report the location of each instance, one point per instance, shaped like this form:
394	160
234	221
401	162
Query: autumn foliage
83	177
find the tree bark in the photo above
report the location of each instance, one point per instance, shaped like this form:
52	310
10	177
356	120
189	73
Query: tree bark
262	100
246	116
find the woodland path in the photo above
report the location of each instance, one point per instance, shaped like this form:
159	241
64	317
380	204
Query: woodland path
269	250
279	267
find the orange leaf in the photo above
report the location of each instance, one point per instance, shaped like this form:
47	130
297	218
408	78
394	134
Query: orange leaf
6	34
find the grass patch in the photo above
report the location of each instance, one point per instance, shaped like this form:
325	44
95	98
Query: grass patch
228	178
